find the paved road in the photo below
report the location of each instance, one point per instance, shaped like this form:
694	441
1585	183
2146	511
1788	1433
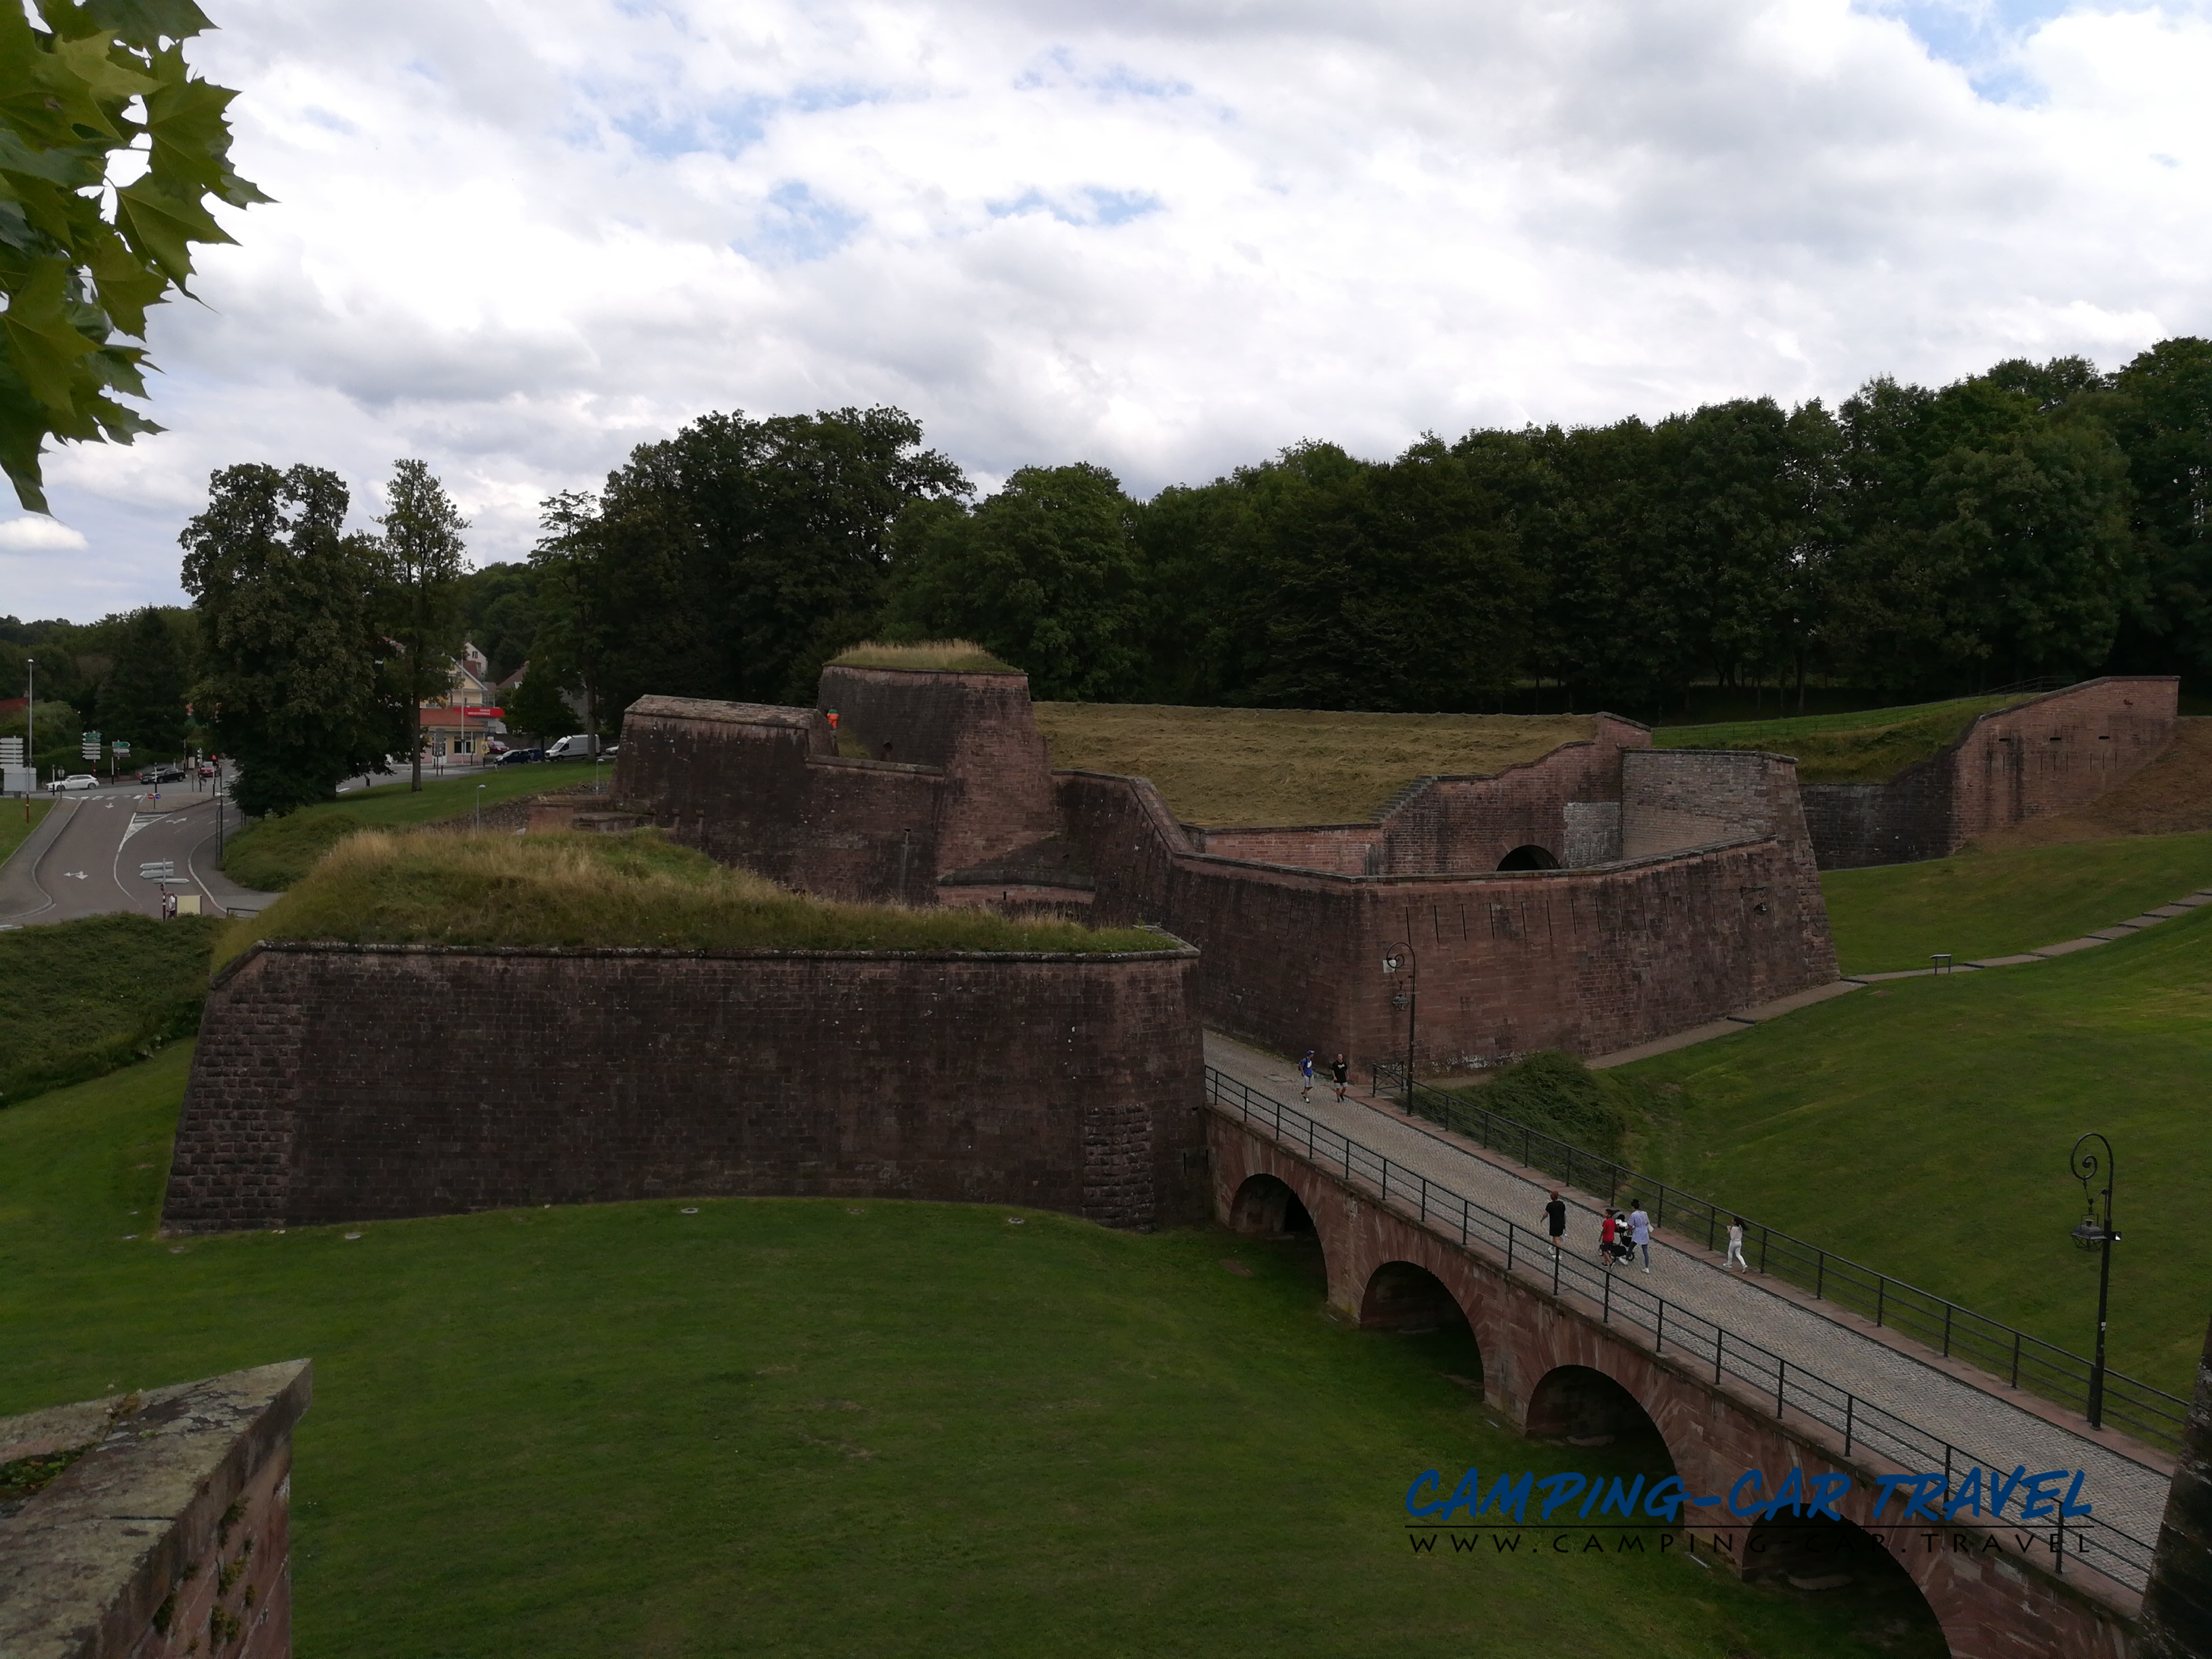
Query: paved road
84	859
1984	1421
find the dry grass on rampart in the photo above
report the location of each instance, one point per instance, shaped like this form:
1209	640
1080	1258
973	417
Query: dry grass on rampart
583	889
945	656
1288	765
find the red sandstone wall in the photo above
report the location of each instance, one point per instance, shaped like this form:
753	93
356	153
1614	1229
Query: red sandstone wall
2057	752
1466	825
980	728
2051	754
1071	1083
1344	849
1586	960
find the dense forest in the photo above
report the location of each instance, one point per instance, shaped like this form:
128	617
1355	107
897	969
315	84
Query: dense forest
2036	520
2033	521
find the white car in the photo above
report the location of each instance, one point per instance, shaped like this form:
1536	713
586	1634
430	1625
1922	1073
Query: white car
75	780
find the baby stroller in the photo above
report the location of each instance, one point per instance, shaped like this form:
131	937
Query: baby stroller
1620	1249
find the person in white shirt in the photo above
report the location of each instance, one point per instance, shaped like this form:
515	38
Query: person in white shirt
1736	1246
1640	1231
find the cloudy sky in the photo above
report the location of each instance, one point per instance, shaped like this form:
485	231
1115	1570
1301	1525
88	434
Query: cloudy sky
1164	236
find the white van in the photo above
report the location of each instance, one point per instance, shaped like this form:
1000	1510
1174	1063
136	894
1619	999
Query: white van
578	747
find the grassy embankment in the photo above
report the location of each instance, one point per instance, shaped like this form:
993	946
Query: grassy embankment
1871	746
827	1427
277	852
17	820
634	890
78	999
945	656
1978	904
1923	1126
1288	766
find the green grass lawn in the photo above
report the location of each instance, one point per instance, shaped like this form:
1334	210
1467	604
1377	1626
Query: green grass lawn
1999	904
17	819
277	852
820	1428
1866	747
81	998
1923	1126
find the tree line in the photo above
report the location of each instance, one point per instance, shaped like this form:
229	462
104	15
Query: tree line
2038	519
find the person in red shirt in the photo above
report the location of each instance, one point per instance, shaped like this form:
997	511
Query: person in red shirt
1609	1234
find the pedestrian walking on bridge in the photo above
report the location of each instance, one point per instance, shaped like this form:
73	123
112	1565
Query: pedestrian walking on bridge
1341	1070
1555	1222
1306	1076
1639	1232
1736	1246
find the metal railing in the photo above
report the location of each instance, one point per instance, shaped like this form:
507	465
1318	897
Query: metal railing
2005	1351
1527	1256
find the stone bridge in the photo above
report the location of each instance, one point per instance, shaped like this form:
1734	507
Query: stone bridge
1572	1351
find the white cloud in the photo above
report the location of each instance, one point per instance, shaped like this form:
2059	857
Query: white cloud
30	534
1164	235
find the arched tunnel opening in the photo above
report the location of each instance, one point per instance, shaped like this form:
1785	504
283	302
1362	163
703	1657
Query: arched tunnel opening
1858	1582
1267	1209
1586	1408
1411	1302
1529	857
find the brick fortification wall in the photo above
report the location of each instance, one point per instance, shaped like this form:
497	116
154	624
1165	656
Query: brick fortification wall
762	786
2049	755
1685	886
1589	960
169	1535
1069	1083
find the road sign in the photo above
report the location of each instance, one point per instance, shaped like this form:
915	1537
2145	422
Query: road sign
165	871
120	748
90	748
11	752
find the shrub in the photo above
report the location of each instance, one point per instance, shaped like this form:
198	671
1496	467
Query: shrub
1556	1093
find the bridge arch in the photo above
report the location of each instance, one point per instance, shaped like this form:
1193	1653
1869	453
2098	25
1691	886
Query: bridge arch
1852	1567
1268	1206
1584	1407
1528	857
1402	1296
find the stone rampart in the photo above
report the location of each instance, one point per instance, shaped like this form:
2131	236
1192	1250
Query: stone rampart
2051	754
1589	960
1071	1083
168	1535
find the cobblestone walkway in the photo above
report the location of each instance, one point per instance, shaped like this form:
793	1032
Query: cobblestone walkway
1981	1421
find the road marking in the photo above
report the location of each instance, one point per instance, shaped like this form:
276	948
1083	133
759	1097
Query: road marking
77	875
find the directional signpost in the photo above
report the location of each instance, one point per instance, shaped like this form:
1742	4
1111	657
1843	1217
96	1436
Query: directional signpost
164	871
90	746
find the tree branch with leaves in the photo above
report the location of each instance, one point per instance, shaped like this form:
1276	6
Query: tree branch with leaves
82	257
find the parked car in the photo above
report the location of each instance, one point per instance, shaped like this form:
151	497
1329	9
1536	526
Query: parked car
517	757
75	780
610	751
578	747
162	774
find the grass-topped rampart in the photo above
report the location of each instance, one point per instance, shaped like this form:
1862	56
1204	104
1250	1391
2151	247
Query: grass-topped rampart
944	656
275	853
1281	766
636	890
1871	746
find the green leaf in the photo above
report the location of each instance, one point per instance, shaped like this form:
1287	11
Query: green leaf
45	350
127	284
22	435
160	226
147	23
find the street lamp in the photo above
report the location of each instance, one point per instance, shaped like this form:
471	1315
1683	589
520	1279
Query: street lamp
480	789
2092	1232
1410	997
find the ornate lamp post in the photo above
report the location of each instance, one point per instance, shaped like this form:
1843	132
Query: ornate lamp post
1402	957
2086	1168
